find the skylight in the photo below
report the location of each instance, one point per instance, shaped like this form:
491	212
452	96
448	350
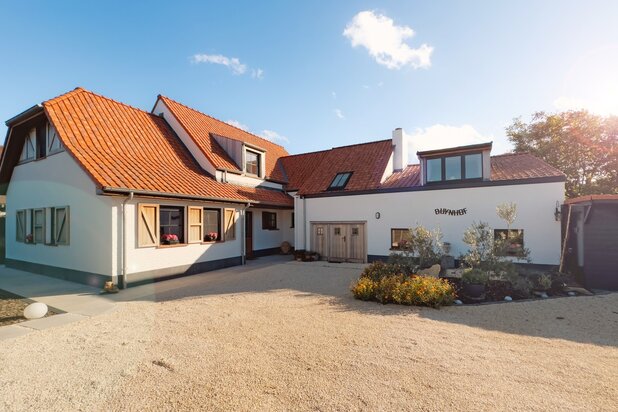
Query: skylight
340	181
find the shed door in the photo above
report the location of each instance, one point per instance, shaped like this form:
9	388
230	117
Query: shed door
319	239
338	242
356	242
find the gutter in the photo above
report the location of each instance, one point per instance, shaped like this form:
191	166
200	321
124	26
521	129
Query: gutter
123	255
25	115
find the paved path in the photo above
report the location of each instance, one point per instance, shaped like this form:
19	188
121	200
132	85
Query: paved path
75	300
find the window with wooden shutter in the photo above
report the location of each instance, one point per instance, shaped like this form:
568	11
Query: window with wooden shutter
229	223
20	227
53	141
147	225
61	225
38	225
29	151
195	224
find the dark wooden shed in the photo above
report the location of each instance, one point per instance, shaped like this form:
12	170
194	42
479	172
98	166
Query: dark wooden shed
590	240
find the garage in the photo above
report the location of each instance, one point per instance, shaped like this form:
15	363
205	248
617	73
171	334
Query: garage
340	241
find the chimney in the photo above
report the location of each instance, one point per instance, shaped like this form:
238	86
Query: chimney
400	155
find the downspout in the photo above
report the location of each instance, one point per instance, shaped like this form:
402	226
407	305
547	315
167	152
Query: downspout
123	255
243	228
305	223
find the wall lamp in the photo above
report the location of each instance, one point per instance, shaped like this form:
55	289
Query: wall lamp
557	212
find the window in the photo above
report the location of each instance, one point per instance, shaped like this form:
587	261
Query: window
399	237
292	223
319	231
29	151
514	240
53	141
171	222
454	168
60	225
212	225
38	225
269	221
337	231
229	223
252	162
20	226
340	181
354	231
434	170
474	166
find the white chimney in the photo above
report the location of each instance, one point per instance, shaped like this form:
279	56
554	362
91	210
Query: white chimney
400	155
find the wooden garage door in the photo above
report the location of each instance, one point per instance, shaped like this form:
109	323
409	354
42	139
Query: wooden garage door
344	242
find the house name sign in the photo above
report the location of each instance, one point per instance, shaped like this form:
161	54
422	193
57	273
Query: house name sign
451	212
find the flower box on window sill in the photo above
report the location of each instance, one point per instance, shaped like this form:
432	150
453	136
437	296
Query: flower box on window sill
211	237
169	242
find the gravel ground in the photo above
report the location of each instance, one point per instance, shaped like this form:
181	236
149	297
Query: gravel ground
289	337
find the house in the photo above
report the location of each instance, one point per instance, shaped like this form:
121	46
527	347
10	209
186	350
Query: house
98	190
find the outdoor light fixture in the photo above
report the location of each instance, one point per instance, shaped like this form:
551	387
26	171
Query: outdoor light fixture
557	212
377	215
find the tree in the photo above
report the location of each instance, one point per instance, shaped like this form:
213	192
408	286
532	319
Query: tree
582	145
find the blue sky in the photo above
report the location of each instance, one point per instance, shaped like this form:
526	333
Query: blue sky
286	70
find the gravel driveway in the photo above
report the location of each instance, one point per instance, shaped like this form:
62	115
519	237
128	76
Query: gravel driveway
288	336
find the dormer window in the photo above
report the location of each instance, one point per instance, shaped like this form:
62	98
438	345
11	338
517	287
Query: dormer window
340	181
454	168
28	153
253	162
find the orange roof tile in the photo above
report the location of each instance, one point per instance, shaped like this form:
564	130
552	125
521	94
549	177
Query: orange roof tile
122	147
202	129
312	173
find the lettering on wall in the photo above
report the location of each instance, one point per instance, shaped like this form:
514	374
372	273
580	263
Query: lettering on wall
451	212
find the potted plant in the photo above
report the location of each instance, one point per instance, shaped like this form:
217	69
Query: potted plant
211	237
169	239
474	282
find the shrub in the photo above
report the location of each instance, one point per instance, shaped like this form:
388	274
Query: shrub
475	277
543	282
422	246
404	262
405	290
378	270
364	289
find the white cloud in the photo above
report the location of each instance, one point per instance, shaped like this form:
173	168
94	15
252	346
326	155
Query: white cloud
385	41
236	123
257	74
231	62
339	113
441	136
274	136
601	106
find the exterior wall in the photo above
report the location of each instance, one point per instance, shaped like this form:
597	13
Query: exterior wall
535	215
600	246
269	239
162	261
59	181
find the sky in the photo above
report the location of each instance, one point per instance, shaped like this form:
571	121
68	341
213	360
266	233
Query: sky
312	75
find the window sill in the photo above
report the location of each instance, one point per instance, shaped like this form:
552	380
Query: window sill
210	242
270	229
171	246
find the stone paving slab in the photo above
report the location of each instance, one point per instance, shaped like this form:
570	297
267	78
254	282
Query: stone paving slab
13	331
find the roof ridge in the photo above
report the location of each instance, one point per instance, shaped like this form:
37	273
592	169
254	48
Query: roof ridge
82	90
511	154
360	144
214	118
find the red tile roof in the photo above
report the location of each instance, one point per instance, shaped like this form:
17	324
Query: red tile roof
510	166
122	147
202	127
312	173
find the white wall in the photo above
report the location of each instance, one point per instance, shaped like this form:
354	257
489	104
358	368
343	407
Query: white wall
266	239
59	181
142	259
535	214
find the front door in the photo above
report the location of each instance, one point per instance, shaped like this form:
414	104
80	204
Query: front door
249	235
338	242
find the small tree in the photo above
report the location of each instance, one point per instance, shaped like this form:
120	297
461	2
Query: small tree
507	212
423	248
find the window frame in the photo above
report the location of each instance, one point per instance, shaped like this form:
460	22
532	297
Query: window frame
343	178
259	162
393	229
462	165
219	224
182	237
269	224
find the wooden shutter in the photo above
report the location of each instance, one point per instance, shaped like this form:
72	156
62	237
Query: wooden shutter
20	230
61	226
196	228
229	224
147	225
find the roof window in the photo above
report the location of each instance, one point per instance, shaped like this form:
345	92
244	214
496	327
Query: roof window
340	181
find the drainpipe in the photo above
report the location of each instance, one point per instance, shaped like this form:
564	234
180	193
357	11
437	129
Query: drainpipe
243	228
306	247
123	255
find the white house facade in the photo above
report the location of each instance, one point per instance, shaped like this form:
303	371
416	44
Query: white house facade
98	190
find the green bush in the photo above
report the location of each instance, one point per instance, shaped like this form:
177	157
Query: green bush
405	290
475	277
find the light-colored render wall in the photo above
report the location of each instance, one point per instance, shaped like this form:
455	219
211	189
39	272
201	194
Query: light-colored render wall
266	239
59	181
535	215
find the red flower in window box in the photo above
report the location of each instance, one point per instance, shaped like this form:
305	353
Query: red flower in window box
169	239
29	238
211	236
